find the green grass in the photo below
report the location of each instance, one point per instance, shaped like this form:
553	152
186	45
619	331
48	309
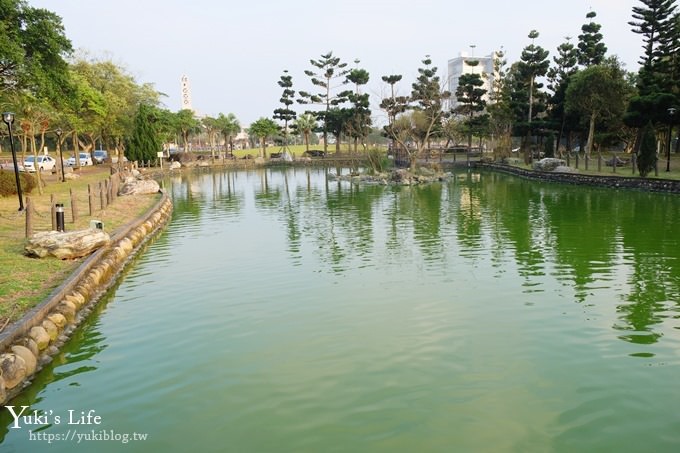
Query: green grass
625	171
24	281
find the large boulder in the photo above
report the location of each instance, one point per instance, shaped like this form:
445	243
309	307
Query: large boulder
66	245
549	164
139	187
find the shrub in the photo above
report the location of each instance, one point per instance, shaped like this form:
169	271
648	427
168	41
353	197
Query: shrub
377	160
8	185
646	156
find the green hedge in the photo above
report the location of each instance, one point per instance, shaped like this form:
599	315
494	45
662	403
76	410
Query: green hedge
8	185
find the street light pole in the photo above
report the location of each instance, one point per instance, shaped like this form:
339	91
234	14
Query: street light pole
8	118
61	156
671	113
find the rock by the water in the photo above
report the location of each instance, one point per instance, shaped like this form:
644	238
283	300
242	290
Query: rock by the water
400	176
174	165
12	369
549	164
66	245
564	169
29	359
139	187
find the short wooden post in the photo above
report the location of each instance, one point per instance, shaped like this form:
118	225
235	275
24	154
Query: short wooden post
614	161
29	217
90	197
577	161
53	213
102	201
633	160
568	158
74	206
107	183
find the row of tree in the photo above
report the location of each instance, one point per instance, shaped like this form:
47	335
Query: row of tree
589	99
89	102
583	99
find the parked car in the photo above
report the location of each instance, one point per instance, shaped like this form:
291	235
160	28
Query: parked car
45	163
100	156
85	160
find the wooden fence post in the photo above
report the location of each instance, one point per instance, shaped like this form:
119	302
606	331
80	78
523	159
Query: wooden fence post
90	197
53	213
633	160
29	217
74	206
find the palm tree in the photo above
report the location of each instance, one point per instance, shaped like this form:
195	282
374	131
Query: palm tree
306	123
228	126
262	129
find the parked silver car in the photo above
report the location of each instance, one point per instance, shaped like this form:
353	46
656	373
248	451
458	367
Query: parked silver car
100	156
85	160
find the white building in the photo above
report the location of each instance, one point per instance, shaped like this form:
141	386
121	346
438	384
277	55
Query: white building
185	93
460	65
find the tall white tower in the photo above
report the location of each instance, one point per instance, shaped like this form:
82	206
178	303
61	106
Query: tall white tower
186	94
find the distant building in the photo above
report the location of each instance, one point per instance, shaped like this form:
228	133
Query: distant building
185	94
460	65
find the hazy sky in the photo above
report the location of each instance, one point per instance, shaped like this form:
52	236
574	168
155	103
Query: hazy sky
235	51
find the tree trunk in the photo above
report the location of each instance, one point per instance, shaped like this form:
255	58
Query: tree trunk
264	153
36	166
307	140
76	149
591	135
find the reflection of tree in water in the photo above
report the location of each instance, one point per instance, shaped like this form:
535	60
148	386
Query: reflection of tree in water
517	207
419	208
225	197
469	213
651	244
583	234
346	231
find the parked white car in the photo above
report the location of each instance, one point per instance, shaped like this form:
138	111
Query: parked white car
45	163
85	160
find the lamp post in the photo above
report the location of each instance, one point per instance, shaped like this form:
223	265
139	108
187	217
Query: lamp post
8	118
58	133
671	113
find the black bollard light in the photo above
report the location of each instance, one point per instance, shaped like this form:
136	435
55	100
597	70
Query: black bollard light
59	210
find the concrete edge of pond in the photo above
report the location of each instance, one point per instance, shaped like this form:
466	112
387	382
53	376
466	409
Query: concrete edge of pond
33	340
612	182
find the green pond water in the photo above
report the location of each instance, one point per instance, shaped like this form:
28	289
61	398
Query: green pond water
282	312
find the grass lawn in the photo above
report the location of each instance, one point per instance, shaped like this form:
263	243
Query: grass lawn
626	170
25	282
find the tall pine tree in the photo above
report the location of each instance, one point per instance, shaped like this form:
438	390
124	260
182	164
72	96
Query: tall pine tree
145	141
285	113
591	49
534	63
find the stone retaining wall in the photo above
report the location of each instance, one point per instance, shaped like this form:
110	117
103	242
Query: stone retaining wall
614	182
36	337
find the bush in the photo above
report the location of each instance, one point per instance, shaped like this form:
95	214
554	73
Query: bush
377	160
8	185
646	155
